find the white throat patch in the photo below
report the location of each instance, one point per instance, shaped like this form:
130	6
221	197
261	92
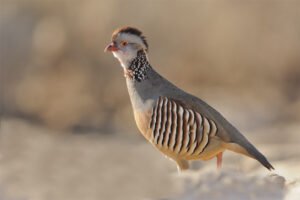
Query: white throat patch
124	58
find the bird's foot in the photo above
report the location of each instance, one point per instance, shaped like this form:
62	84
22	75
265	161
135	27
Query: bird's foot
219	160
182	165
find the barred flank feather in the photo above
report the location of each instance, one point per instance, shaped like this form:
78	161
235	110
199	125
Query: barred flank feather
180	130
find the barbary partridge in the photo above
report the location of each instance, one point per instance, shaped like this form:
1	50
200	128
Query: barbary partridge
178	124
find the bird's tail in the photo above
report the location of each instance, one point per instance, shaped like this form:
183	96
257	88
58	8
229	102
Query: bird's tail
249	150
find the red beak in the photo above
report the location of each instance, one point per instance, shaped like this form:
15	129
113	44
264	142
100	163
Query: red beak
111	47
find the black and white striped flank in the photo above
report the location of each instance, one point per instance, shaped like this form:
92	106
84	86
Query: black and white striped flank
180	130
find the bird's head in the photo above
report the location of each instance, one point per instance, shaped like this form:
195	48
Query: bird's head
126	43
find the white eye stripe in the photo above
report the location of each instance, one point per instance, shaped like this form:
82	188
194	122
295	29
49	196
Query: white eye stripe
130	38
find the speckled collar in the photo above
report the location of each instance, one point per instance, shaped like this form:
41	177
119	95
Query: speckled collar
139	67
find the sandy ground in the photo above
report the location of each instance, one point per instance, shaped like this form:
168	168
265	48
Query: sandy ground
41	164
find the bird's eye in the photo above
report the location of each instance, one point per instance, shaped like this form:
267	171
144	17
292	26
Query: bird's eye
124	43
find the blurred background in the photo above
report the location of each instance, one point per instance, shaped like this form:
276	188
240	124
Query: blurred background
67	129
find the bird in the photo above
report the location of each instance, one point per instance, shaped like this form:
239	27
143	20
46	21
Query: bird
180	125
